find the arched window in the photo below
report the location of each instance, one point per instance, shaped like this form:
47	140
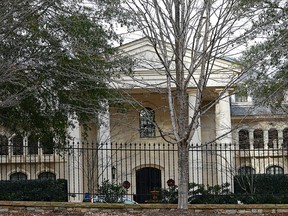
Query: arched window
32	144
244	139
47	144
47	175
285	138
18	176
147	119
275	170
258	138
246	170
17	142
3	145
273	138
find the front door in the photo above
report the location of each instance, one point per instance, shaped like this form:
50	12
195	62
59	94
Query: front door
147	179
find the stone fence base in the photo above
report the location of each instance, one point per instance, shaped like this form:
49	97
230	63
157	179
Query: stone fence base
14	208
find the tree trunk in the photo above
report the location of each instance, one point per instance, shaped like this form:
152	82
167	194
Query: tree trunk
183	172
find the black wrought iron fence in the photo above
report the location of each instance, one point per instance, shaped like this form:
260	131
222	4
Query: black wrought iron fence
147	171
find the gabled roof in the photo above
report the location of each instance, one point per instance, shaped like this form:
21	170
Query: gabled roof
150	69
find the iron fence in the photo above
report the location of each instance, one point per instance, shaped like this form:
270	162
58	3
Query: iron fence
141	168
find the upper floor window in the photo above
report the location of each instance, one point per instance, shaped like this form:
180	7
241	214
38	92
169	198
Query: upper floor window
47	175
274	170
3	145
32	144
18	176
244	139
258	138
147	119
273	138
246	170
285	138
17	142
47	143
241	97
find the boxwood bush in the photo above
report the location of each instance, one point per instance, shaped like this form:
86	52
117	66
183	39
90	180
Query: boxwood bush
34	190
261	188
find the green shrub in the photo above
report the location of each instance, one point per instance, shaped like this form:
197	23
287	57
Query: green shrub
111	192
169	195
199	194
34	190
216	194
261	188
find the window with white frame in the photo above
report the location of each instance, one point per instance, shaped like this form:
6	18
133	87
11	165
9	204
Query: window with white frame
147	119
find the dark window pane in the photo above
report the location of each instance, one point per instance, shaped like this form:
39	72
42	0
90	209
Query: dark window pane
285	138
18	176
47	144
258	138
17	142
244	139
32	144
273	138
246	170
3	145
47	175
147	127
275	170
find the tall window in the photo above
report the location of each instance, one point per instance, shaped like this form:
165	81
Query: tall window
147	127
18	176
17	142
3	145
273	138
285	138
258	138
32	144
47	144
244	139
275	170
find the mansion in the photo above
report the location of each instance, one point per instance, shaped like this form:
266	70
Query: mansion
234	137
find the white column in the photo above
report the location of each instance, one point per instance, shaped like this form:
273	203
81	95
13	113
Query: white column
251	139
74	163
280	138
104	145
266	138
195	153
224	140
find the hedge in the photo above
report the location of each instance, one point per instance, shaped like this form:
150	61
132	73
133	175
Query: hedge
261	188
34	190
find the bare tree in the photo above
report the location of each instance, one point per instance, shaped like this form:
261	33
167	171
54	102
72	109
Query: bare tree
189	36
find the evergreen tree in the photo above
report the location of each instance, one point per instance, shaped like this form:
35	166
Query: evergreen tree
56	60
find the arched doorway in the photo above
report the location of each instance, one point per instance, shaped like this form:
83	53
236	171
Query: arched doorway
147	179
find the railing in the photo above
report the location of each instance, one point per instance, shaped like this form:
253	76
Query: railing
143	167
